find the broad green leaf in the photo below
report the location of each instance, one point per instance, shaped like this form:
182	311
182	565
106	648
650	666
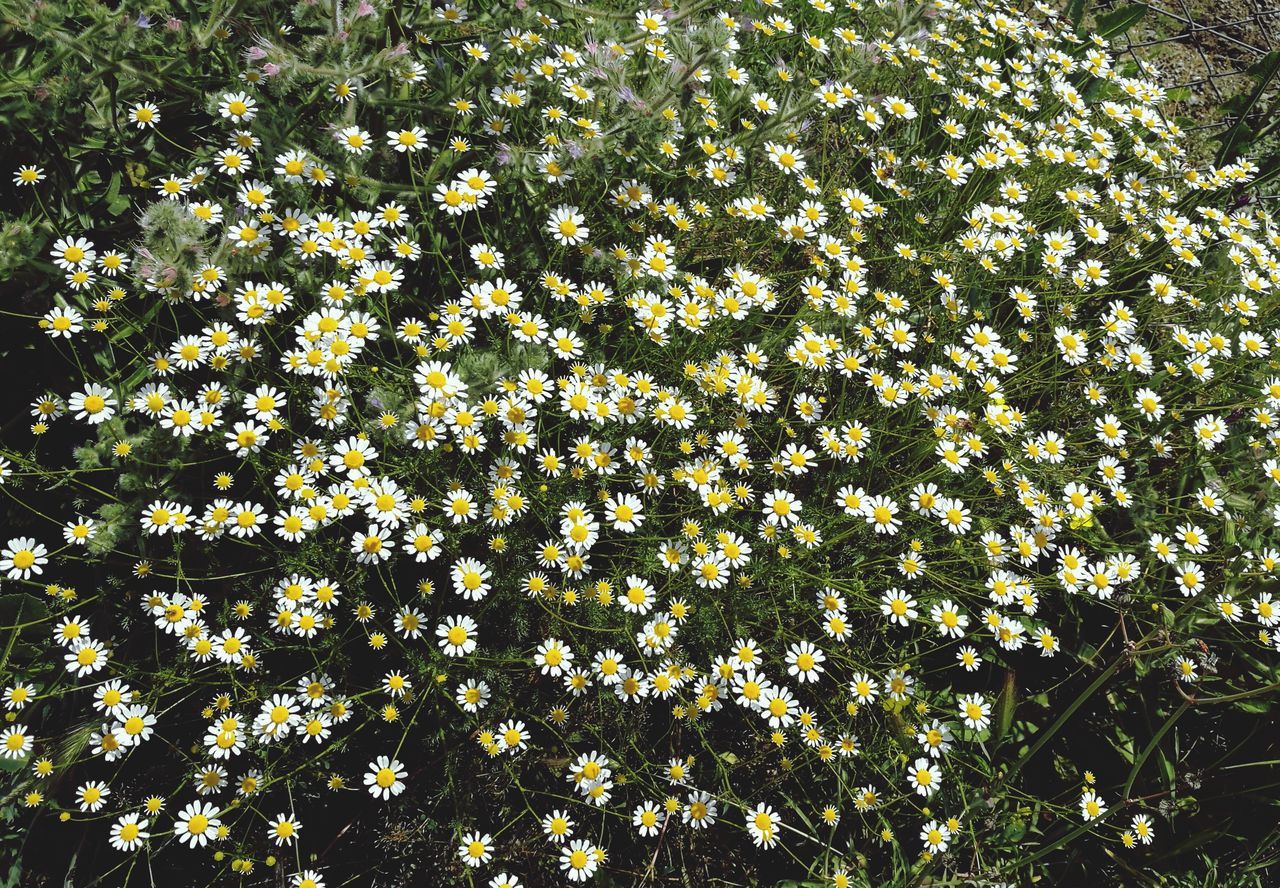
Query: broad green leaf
1076	10
1118	21
1238	139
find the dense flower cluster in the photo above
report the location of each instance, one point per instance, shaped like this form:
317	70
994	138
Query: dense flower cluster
787	380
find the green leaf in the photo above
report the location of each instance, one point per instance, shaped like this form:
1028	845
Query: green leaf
1166	768
1236	140
1254	707
1005	707
1075	12
21	616
1118	21
116	202
22	612
12	766
1268	171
